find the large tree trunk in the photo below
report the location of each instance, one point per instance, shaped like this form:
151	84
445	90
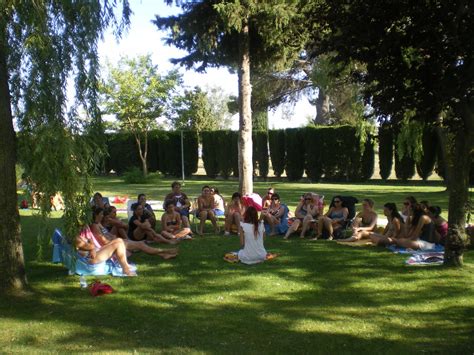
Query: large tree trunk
12	266
458	149
245	115
143	152
322	108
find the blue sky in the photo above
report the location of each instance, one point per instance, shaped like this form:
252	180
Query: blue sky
144	38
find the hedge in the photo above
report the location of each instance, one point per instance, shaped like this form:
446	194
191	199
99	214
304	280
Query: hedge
260	153
225	162
314	141
210	145
276	140
169	152
295	153
430	145
367	159
122	153
385	150
404	167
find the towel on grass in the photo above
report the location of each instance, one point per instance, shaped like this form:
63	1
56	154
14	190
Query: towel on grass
422	259
399	250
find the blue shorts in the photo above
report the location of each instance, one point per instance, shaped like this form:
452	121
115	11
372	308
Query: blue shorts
184	212
218	212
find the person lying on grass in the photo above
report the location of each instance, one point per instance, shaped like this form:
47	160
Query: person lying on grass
171	224
305	213
233	213
394	226
334	219
103	237
113	224
419	231
92	253
139	229
364	223
251	233
206	210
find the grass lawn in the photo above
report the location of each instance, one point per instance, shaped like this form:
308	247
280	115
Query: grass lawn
317	297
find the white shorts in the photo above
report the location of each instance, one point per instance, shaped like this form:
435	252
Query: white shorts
423	245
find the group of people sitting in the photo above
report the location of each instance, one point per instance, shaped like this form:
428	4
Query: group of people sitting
416	226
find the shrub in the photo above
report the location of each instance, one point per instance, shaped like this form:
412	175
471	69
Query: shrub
295	153
134	176
234	152
428	160
260	152
276	140
367	159
122	153
224	161
404	167
385	150
313	142
210	145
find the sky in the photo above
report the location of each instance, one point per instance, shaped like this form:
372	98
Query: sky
143	37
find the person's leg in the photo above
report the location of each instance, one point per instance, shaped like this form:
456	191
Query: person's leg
407	243
117	247
202	221
181	233
164	253
185	220
330	227
228	223
307	220
212	216
167	235
146	230
293	228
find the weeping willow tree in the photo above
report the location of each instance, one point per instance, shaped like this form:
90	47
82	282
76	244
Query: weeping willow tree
44	45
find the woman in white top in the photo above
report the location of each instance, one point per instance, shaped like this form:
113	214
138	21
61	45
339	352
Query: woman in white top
251	238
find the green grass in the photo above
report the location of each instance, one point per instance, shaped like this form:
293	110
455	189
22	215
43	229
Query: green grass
317	297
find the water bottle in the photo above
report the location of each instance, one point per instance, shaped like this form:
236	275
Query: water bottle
83	282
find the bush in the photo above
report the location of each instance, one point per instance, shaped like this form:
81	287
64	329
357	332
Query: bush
122	153
385	150
134	176
404	167
210	145
428	160
169	152
313	142
295	153
276	140
367	159
224	161
260	152
234	152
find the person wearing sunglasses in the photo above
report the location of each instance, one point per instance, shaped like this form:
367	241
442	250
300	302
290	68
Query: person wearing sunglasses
267	199
408	204
364	223
276	217
305	213
334	219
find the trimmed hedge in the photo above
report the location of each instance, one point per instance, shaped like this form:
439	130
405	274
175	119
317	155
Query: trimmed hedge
430	145
367	159
123	153
276	140
260	152
385	150
169	152
295	153
210	146
404	167
225	162
314	141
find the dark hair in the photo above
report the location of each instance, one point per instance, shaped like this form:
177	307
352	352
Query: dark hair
175	183
216	191
236	194
418	212
96	211
108	210
251	216
97	194
393	211
426	203
339	197
412	200
140	195
435	210
168	203
275	196
205	187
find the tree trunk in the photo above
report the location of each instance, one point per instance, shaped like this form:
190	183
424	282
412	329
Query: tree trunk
322	108
143	153
458	162
12	265
245	115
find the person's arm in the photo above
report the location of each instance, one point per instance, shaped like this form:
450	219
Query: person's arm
371	226
242	237
328	213
99	236
298	210
280	212
397	228
163	222
178	221
83	245
415	232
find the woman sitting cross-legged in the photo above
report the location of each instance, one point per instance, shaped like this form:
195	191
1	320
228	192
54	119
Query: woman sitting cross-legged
276	217
103	237
419	231
364	223
305	214
441	226
93	253
251	238
171	224
205	210
394	226
333	219
139	229
234	212
113	224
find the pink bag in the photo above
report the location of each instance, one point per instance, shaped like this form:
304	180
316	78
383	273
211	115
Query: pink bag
254	200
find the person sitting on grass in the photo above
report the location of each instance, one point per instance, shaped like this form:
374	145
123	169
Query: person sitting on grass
251	233
441	226
276	217
92	253
139	228
181	202
99	201
234	211
333	220
113	224
205	210
305	214
219	203
394	226
408	204
147	209
364	223
103	237
419	231
267	199
171	224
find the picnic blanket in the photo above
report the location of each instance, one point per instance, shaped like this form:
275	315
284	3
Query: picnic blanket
424	258
64	253
399	250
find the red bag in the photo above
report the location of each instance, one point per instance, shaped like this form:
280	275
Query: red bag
99	289
254	200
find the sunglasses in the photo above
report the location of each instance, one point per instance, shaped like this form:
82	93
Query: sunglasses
275	199
337	201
